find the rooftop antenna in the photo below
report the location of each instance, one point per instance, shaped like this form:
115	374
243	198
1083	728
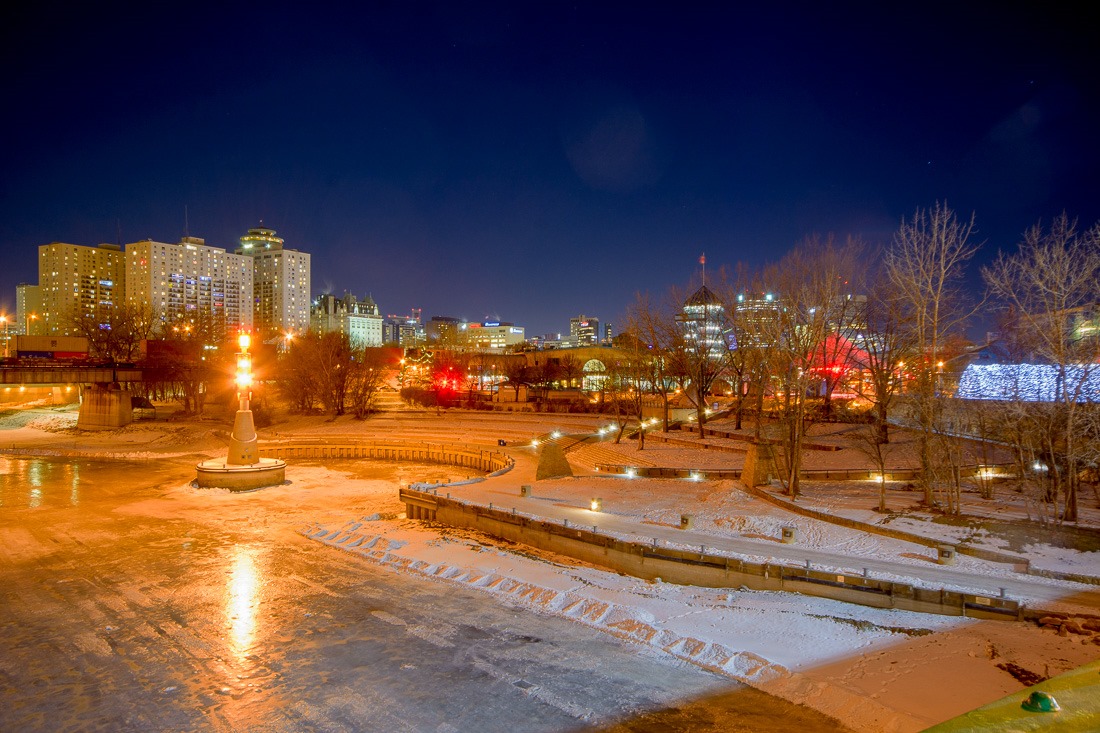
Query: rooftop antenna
118	225
703	262
186	225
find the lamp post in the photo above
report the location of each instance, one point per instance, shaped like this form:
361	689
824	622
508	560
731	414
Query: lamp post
242	445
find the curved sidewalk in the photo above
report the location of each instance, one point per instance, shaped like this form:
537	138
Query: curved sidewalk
503	492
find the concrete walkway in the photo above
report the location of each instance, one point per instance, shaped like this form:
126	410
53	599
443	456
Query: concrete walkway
503	492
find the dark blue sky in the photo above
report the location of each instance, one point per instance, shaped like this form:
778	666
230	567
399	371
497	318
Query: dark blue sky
531	161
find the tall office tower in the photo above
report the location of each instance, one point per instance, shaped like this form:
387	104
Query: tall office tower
407	331
75	280
190	279
28	309
704	324
584	331
280	283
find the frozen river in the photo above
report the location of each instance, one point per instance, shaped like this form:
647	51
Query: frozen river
129	601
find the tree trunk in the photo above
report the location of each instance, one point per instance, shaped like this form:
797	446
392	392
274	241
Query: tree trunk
882	427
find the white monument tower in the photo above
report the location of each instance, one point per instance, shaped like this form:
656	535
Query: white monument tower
242	469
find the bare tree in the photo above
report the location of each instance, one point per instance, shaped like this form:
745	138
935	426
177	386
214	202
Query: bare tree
332	365
515	370
570	370
653	327
545	372
617	389
199	342
813	283
369	370
296	382
1051	282
885	349
925	265
868	442
637	371
114	330
698	352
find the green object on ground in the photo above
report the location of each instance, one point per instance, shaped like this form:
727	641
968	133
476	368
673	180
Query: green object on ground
552	463
1041	702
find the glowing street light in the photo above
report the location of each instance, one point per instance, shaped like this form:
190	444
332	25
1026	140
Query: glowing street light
242	446
242	469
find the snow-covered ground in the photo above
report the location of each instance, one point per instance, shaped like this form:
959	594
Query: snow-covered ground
858	500
872	669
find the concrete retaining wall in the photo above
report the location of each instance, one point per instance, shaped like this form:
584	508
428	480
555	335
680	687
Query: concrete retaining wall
465	456
699	568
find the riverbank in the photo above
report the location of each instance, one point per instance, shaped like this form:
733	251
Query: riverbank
871	669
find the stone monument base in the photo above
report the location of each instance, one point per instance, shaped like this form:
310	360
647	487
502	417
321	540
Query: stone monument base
217	474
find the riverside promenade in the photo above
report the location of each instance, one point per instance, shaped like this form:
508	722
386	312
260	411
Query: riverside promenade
567	500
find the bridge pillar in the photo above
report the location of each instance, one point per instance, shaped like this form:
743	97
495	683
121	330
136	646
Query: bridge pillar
104	406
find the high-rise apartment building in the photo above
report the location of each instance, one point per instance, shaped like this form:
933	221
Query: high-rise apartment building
177	280
76	280
280	283
28	309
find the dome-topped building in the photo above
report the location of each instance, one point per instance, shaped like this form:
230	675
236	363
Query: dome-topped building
280	283
703	319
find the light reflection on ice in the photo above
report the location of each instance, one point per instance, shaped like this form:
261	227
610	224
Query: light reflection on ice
241	600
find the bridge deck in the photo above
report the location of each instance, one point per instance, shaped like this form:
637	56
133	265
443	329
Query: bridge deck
58	375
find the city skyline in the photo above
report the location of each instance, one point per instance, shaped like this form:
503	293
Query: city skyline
531	163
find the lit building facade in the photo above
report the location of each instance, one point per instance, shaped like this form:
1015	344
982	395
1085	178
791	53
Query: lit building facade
584	330
280	284
407	331
28	309
492	336
704	323
360	320
189	278
443	330
75	280
757	319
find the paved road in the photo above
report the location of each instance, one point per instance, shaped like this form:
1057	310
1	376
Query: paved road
126	608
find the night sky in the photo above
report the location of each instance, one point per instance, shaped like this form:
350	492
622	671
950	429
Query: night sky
531	161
